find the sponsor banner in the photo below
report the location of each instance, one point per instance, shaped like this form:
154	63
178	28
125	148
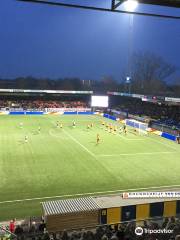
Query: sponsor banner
44	91
169	99
120	94
99	113
159	133
50	110
25	110
119	112
161	98
54	113
4	113
141	195
137	95
46	113
68	110
142	97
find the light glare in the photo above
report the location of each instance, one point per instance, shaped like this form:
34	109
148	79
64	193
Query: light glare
130	5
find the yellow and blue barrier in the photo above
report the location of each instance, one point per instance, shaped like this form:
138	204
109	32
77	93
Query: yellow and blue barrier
139	212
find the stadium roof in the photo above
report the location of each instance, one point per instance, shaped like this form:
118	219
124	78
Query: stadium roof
44	91
114	6
70	206
86	204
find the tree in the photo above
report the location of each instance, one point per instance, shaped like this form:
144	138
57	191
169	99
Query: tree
149	72
175	88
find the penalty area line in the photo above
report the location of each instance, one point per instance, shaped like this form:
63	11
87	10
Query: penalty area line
76	141
133	154
93	193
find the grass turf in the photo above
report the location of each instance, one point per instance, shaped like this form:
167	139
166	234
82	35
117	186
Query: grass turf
66	161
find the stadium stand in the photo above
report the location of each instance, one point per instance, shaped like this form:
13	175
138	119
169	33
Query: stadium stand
161	114
125	231
164	113
41	104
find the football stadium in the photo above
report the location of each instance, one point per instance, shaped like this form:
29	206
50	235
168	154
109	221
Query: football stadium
84	159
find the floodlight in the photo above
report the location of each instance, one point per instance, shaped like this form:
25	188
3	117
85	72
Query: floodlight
130	5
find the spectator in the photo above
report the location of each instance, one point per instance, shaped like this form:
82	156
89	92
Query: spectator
12	226
42	226
18	230
65	235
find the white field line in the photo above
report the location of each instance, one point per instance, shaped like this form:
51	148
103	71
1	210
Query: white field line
31	149
94	193
77	120
76	141
59	137
52	134
133	154
134	139
130	139
167	145
126	138
123	137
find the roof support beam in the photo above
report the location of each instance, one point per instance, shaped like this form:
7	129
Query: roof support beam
50	3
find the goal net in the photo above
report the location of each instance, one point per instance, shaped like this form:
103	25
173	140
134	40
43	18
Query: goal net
140	127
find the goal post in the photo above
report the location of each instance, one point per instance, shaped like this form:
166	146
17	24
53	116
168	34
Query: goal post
140	127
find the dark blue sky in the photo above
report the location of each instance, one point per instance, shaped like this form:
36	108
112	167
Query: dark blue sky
56	42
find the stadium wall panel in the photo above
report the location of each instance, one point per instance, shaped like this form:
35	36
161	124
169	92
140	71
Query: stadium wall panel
142	211
68	221
16	113
41	113
106	115
168	136
156	209
70	113
112	118
170	209
178	207
113	215
128	213
85	113
103	216
34	113
109	116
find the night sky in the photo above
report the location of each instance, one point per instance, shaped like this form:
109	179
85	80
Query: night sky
54	42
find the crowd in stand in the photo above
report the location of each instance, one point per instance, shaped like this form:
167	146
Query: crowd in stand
41	104
124	231
169	115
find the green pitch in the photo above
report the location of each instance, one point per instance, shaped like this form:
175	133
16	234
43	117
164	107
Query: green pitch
66	162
